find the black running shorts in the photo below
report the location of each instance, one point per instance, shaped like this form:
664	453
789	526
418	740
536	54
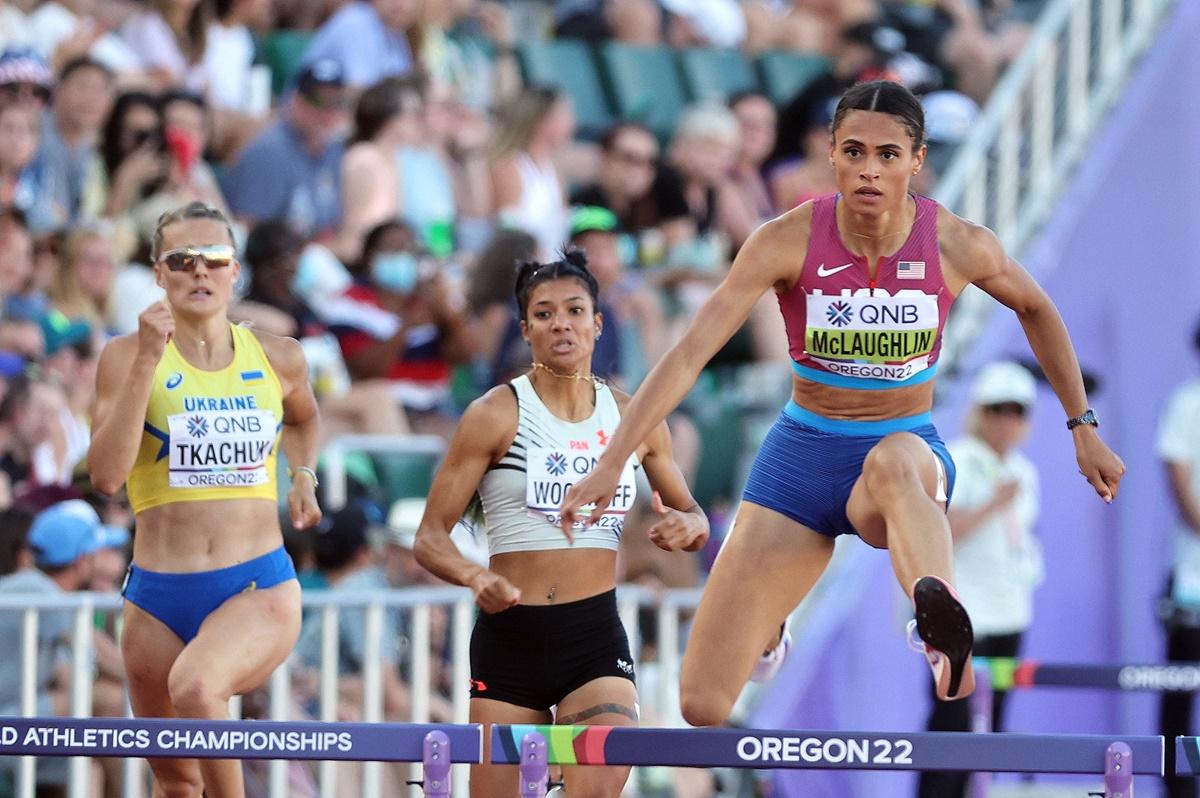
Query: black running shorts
535	656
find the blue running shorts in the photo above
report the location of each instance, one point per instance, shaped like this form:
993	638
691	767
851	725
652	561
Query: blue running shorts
808	464
183	600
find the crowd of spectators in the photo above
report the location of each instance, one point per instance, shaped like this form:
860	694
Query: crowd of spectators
381	193
399	157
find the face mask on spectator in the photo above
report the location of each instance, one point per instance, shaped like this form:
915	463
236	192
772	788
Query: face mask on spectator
319	273
396	271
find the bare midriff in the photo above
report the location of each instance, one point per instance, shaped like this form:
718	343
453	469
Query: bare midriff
862	405
557	576
187	537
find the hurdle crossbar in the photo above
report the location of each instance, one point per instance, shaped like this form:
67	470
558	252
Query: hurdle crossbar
230	739
784	749
1012	674
1187	756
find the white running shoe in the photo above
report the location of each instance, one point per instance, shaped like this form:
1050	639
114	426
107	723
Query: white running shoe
917	645
769	663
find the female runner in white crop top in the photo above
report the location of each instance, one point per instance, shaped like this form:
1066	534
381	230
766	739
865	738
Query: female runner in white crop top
549	634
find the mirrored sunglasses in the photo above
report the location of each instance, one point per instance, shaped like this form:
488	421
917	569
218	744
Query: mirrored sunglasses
185	259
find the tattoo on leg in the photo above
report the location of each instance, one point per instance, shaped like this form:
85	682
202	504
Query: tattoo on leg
599	709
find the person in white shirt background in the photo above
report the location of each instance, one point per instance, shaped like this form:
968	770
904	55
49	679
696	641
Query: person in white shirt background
997	558
1178	446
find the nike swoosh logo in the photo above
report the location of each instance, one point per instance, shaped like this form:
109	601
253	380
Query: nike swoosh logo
823	272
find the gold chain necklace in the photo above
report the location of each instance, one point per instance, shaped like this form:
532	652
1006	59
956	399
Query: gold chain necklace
592	378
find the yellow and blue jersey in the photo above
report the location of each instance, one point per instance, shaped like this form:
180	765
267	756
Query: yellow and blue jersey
209	434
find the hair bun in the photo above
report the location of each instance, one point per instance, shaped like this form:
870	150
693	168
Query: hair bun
571	264
523	270
575	257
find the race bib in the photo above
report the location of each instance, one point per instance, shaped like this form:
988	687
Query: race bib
873	335
220	448
550	473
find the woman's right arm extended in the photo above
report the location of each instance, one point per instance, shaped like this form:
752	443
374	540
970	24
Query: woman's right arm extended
772	255
485	431
124	379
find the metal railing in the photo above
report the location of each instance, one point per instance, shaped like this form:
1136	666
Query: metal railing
333	456
418	604
1038	122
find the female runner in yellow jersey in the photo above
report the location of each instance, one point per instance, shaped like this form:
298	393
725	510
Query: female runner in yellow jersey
191	409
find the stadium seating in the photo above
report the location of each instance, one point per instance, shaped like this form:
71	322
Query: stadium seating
283	51
569	65
785	73
714	74
645	85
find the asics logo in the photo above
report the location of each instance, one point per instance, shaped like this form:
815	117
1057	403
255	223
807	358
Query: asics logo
823	272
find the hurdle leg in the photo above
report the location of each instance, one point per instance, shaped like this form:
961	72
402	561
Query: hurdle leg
436	765
1118	771
980	701
534	769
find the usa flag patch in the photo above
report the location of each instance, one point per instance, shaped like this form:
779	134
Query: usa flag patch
910	270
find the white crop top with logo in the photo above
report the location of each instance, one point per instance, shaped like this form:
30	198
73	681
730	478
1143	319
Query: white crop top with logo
521	493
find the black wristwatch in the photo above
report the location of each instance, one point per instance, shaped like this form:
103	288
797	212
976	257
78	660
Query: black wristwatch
1089	417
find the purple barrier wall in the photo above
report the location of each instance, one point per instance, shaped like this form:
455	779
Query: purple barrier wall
1119	258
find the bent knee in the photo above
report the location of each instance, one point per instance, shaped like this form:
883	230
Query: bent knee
194	695
703	707
891	464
